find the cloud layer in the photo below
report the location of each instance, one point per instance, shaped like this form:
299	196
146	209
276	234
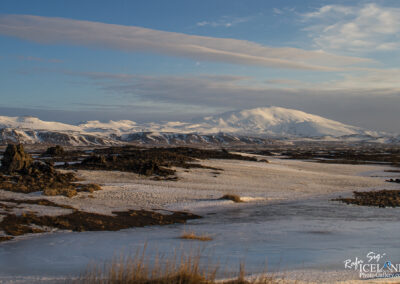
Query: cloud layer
132	39
365	28
236	91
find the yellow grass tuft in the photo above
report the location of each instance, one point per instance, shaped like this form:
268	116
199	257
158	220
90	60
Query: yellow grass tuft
193	236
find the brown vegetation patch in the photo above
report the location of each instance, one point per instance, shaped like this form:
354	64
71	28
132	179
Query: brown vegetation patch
16	225
379	198
233	197
53	191
11	225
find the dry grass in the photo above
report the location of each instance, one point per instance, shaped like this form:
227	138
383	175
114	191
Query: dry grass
233	197
194	236
180	269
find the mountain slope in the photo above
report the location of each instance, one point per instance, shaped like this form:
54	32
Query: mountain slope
66	138
277	121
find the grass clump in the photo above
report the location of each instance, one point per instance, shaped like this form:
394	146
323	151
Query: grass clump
234	197
194	236
183	268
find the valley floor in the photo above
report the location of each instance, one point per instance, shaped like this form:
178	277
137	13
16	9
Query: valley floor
198	190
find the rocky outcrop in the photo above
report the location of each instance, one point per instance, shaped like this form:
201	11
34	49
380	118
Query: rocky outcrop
19	173
130	163
55	151
15	159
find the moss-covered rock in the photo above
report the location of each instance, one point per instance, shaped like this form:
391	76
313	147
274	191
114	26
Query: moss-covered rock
15	159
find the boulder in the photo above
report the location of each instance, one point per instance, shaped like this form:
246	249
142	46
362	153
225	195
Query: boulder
15	159
55	151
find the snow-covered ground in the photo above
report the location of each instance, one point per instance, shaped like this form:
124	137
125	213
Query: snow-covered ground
288	219
198	190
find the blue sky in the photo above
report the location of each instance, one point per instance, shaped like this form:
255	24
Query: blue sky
165	60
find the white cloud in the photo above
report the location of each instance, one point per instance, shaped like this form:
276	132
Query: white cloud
132	39
366	28
330	11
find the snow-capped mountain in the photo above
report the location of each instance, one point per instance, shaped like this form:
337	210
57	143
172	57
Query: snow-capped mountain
254	126
34	123
280	122
259	122
32	130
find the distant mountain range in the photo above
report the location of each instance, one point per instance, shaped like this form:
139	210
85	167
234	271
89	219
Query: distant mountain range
252	126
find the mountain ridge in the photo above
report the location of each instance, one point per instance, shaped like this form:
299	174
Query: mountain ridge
262	123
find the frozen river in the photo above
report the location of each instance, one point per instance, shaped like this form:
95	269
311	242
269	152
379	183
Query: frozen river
305	234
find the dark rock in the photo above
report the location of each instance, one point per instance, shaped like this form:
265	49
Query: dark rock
25	176
394	180
95	160
15	159
55	151
378	198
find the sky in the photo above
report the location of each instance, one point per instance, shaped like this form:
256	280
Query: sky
151	60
